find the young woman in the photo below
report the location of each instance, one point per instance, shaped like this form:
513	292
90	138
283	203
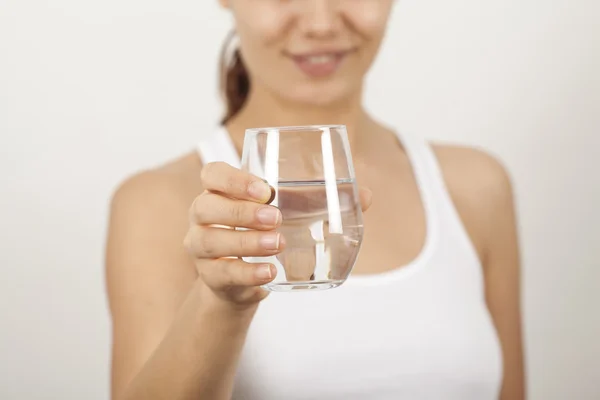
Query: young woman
431	310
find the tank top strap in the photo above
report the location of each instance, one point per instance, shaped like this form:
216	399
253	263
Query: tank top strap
218	146
426	168
443	218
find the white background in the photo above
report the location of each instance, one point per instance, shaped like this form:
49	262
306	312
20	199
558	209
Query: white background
91	91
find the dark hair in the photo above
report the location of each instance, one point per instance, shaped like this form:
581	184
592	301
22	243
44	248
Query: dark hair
235	82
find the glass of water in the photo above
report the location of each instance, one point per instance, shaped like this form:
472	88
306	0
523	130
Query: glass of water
310	168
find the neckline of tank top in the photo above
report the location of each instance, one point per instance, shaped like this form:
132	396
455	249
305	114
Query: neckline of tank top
418	161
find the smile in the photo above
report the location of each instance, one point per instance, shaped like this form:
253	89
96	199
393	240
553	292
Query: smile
319	64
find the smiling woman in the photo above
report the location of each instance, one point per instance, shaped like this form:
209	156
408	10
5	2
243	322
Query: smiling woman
305	52
431	310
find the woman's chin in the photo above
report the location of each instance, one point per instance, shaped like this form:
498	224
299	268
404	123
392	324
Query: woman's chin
324	96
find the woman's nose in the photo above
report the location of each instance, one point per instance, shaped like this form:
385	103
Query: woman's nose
319	18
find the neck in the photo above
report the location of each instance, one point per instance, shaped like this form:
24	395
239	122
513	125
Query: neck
263	109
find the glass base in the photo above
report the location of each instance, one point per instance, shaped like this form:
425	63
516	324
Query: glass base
301	285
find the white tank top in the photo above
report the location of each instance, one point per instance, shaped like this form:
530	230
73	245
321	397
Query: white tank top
421	331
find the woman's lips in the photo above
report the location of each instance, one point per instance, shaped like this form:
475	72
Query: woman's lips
319	65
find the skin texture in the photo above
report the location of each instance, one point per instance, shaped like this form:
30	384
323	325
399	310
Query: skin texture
181	313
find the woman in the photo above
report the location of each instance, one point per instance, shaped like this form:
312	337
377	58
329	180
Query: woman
431	310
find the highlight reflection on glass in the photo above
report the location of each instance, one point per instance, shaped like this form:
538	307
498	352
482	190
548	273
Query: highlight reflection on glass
311	169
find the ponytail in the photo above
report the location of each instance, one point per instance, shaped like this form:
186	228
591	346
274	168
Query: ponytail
235	82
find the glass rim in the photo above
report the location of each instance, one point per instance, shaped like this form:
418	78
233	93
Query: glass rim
306	128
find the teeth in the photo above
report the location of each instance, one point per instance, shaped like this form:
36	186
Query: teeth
320	59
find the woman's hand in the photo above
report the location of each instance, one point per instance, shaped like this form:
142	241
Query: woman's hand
234	198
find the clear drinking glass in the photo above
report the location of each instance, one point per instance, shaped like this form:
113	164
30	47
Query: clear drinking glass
311	169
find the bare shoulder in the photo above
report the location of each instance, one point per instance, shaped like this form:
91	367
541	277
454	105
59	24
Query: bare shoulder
480	187
147	225
473	171
171	183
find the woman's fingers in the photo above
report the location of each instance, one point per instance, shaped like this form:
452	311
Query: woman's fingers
214	242
211	208
227	273
229	181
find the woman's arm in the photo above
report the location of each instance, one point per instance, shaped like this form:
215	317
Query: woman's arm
170	339
481	190
502	276
177	335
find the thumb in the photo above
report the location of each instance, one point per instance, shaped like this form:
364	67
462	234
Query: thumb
366	197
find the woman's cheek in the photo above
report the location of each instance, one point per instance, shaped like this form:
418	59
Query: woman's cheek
369	17
264	20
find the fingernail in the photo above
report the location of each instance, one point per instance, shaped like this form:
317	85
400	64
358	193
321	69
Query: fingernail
263	272
260	191
268	216
270	241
